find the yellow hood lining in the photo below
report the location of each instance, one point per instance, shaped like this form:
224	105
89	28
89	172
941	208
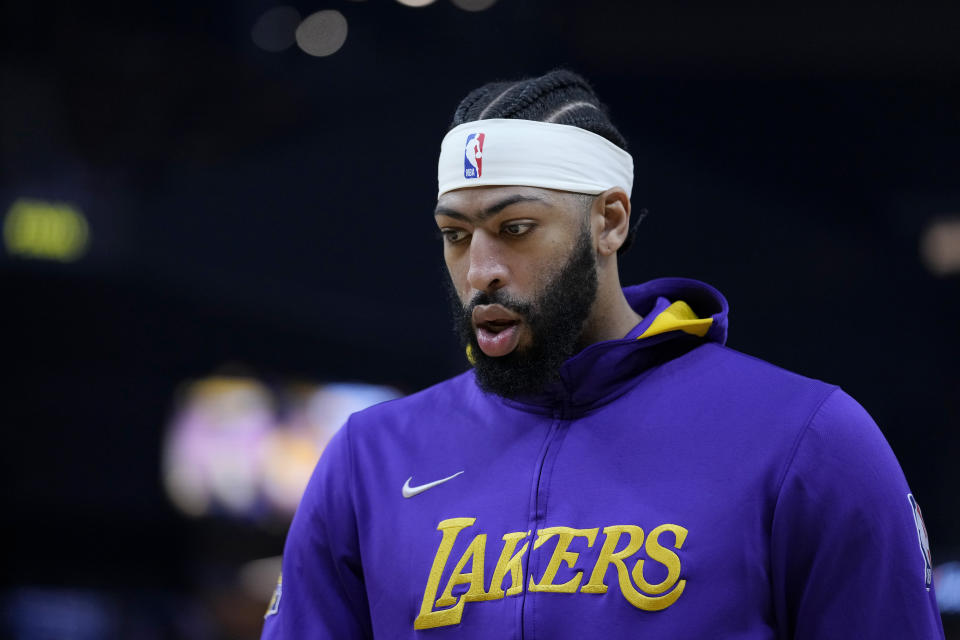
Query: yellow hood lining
678	316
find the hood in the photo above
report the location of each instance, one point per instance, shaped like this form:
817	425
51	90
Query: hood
679	314
678	304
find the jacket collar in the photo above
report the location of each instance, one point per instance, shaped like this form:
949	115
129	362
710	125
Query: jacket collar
679	314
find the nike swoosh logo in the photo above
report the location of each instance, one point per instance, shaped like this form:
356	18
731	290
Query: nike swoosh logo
409	492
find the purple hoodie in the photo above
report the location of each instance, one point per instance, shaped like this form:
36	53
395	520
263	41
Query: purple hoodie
666	487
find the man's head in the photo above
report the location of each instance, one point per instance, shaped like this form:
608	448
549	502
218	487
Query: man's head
561	97
532	268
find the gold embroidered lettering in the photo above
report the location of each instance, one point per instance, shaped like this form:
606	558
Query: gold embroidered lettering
474	556
608	554
669	559
428	618
448	609
508	562
560	554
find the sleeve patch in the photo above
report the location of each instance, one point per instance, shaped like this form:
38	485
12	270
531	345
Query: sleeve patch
924	541
274	605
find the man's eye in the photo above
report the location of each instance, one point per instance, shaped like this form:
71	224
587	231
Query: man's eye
453	235
517	228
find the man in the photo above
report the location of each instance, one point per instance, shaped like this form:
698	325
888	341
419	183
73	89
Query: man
607	468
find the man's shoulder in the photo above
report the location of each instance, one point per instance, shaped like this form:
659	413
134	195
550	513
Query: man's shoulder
770	403
736	367
721	375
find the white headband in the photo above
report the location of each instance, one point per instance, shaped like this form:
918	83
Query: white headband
533	154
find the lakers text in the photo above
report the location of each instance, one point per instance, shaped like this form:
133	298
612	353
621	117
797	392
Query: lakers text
620	543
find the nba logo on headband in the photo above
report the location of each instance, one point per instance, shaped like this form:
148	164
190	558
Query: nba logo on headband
473	156
532	154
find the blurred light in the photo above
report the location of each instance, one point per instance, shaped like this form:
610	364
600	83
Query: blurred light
67	614
274	30
322	33
946	582
473	5
214	449
238	448
289	457
415	3
50	230
940	246
259	577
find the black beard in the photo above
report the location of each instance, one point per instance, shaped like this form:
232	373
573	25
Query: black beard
555	318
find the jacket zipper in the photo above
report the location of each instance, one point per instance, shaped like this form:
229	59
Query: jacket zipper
538	513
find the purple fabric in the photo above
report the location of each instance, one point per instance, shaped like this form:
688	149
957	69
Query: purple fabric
648	318
774	495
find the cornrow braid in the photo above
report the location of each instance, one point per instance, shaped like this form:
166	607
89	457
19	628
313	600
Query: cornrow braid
561	97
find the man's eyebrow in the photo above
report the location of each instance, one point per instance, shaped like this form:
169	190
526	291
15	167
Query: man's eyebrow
492	210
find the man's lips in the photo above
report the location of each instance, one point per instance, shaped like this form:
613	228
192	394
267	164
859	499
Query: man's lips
497	329
493	314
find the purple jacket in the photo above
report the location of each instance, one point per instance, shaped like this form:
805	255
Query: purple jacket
668	487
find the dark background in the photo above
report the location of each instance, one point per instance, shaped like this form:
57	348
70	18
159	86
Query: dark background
274	210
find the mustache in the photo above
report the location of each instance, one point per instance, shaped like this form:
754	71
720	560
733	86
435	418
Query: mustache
497	297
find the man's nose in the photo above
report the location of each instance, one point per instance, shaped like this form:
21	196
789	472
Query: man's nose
488	270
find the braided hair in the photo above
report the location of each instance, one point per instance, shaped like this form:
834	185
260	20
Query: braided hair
560	96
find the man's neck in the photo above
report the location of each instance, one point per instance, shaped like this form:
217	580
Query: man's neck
611	318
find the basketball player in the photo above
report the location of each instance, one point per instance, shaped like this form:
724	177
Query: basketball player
606	468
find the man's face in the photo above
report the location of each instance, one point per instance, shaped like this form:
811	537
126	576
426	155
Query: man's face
523	272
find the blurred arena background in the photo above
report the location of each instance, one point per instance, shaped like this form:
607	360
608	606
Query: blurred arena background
218	241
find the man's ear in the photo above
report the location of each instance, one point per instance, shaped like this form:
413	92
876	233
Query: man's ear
612	207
